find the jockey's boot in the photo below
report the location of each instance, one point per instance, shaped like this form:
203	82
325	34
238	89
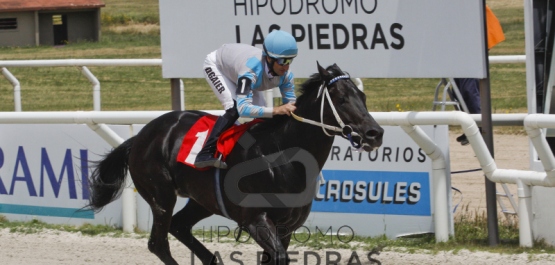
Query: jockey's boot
205	157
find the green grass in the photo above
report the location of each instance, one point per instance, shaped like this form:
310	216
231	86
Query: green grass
37	226
470	234
143	88
125	12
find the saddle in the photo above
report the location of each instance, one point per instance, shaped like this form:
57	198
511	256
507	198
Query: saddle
196	136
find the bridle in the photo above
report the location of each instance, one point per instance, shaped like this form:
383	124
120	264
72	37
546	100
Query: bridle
345	130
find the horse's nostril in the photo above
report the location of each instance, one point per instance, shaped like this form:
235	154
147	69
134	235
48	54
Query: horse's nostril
374	133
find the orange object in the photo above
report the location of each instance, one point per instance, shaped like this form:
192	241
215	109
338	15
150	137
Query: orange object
495	32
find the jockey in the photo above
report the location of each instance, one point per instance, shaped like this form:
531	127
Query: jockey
238	73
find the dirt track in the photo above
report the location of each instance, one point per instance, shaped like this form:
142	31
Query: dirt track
65	248
510	152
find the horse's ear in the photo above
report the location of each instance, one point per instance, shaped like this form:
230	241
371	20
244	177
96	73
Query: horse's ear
323	73
336	67
320	68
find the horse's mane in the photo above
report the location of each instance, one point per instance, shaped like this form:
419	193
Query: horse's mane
314	82
311	84
269	124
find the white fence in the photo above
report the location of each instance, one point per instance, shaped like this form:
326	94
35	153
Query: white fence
409	121
83	63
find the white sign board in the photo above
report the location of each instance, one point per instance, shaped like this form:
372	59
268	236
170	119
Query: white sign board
367	38
43	169
388	191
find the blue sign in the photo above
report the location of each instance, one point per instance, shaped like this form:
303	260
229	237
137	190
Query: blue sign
374	192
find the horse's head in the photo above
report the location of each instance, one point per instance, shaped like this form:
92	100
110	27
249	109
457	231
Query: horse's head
344	108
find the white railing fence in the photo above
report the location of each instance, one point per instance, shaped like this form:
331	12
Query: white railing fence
82	64
409	121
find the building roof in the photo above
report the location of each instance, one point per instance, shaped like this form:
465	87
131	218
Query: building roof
40	5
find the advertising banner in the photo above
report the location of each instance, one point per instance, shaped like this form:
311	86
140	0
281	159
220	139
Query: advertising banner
44	171
385	192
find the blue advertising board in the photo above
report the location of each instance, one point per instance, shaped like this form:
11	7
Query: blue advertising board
374	192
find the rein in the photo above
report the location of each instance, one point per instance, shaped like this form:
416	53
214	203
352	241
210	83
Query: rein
345	130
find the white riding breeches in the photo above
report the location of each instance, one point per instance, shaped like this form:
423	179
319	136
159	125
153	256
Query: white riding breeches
223	87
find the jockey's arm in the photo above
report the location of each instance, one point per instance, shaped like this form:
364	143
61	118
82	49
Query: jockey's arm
244	101
288	97
287	89
284	109
247	109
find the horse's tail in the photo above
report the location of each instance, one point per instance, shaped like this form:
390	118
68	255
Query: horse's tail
108	178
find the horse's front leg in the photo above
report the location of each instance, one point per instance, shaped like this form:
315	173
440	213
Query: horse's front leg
285	240
264	232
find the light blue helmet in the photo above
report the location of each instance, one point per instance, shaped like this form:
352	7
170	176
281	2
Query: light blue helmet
280	44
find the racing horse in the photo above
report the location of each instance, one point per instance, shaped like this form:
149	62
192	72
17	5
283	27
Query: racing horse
271	177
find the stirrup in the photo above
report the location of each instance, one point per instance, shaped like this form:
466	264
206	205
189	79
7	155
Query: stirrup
213	162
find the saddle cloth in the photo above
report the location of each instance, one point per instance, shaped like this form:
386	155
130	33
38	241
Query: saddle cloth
198	134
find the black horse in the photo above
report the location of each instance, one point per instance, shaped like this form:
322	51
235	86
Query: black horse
271	177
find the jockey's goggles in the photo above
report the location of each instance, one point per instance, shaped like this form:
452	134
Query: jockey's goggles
284	61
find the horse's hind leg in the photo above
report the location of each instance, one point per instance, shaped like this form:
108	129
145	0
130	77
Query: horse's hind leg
161	198
183	222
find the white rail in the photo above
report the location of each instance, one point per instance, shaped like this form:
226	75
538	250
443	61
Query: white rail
533	123
16	88
84	63
507	59
96	121
409	121
81	64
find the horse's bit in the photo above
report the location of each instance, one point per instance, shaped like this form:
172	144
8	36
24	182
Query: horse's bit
345	130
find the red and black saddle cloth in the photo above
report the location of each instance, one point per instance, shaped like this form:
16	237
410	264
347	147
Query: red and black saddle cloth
196	137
